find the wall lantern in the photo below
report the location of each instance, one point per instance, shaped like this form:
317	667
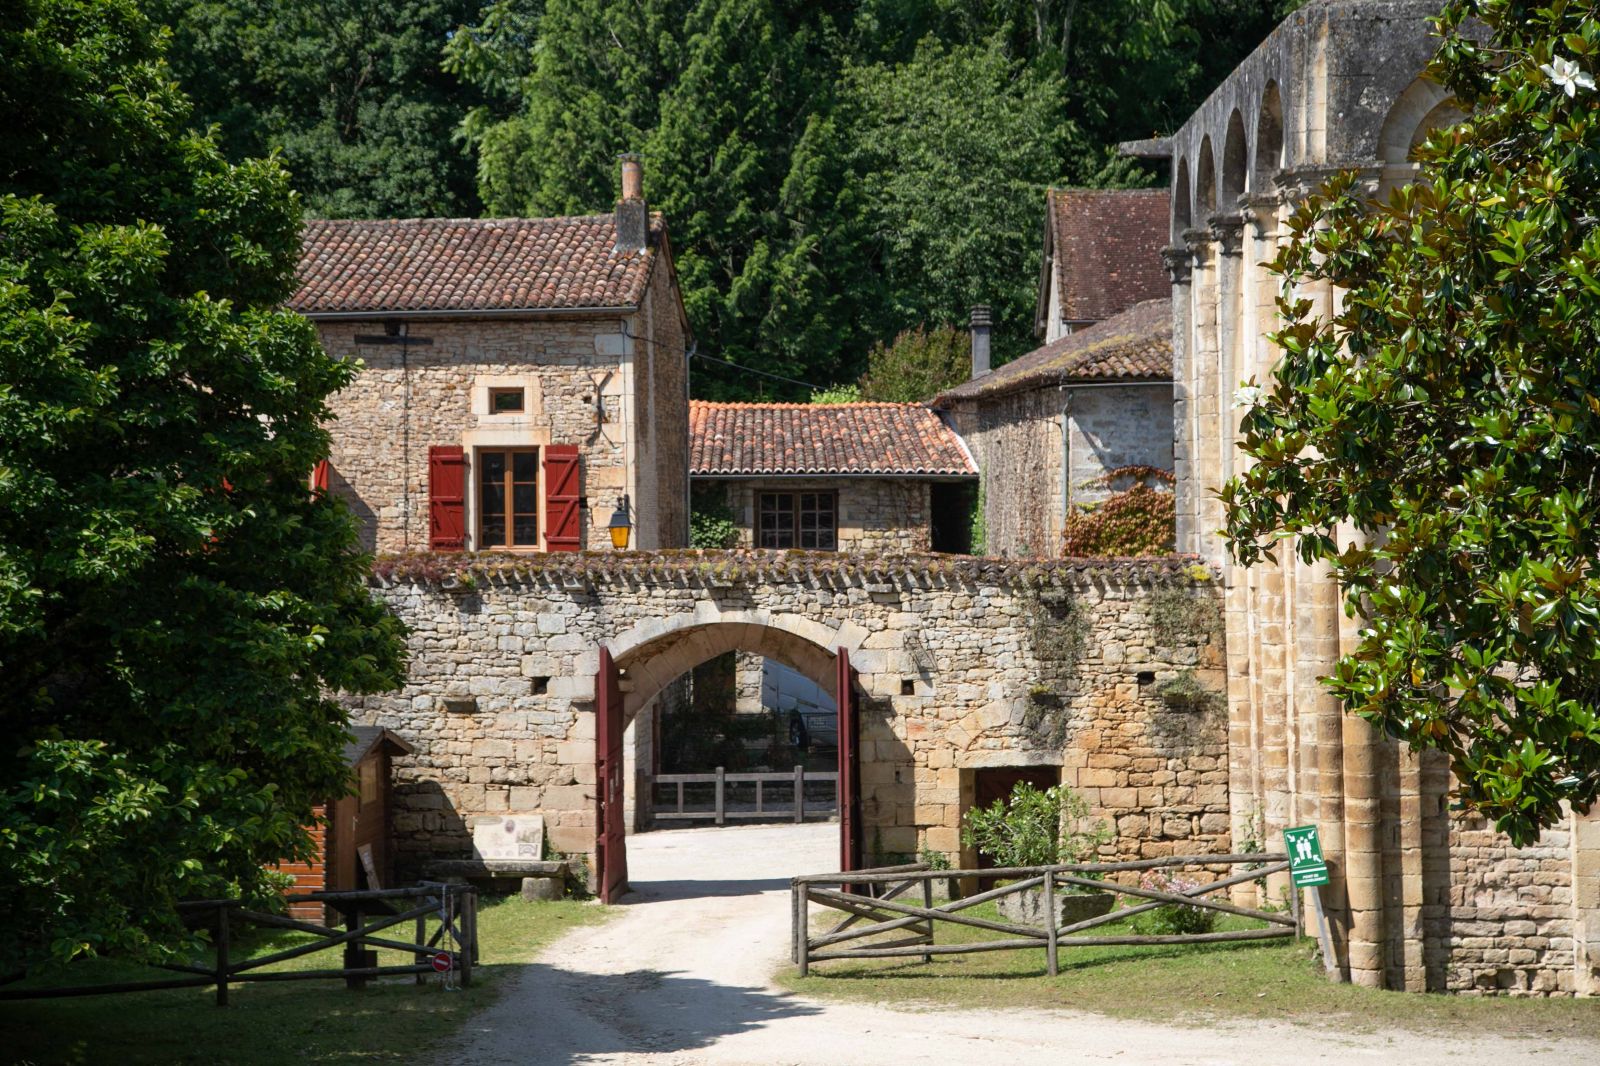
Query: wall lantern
620	526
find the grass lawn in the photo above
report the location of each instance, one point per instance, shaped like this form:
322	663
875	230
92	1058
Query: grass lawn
392	1020
1277	980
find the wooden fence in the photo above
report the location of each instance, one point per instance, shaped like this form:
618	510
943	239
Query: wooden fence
364	913
873	897
721	811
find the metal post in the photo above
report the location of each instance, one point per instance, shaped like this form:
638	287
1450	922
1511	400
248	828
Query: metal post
758	795
799	794
720	784
1294	900
1050	916
222	955
1329	963
680	797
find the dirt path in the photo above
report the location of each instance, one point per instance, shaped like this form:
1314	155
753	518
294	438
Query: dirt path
683	978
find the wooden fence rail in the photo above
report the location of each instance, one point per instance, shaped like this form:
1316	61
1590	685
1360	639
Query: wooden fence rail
797	808
364	913
872	897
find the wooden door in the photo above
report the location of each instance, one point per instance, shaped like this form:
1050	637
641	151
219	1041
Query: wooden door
610	852
849	779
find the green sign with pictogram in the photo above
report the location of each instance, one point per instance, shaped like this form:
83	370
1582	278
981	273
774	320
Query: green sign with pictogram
1306	864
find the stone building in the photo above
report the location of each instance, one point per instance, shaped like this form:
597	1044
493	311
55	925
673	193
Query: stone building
1102	255
1424	897
1046	427
522	379
858	477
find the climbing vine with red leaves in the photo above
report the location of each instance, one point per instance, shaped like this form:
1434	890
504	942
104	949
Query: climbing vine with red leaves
1138	520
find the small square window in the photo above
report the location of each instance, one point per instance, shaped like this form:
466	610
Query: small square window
908	687
508	401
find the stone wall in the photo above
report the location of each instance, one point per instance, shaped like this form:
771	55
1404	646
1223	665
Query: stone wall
1106	671
1420	898
875	514
408	399
1017	439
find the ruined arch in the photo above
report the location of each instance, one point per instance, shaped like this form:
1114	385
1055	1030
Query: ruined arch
1269	139
1205	180
1182	197
1235	162
1423	107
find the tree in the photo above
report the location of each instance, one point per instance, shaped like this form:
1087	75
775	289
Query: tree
175	606
1435	441
352	92
920	364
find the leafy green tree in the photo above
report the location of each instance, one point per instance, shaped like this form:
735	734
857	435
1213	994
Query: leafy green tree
352	92
175	606
1436	441
920	364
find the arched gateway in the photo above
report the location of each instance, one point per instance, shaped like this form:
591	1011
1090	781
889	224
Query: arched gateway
526	672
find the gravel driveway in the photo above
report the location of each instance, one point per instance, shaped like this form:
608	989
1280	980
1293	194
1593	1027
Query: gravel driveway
682	977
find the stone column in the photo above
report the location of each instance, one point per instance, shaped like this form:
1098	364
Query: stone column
1179	262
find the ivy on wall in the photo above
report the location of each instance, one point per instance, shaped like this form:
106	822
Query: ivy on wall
1139	520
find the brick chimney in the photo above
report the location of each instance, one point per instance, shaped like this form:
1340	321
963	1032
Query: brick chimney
980	340
633	216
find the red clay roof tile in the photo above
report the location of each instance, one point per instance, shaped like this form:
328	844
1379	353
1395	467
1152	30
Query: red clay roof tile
728	439
467	264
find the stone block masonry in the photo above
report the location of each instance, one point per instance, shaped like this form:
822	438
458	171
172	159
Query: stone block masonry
963	664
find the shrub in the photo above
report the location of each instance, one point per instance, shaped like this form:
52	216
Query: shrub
1172	919
1034	828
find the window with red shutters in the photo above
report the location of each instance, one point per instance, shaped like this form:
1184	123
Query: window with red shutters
447	498
562	514
319	477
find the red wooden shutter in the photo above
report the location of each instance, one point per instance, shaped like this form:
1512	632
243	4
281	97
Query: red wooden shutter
561	511
447	498
319	477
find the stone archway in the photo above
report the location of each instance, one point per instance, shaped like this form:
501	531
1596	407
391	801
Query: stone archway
639	664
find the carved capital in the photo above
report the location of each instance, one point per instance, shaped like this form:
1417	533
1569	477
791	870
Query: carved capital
1179	261
1261	211
1228	231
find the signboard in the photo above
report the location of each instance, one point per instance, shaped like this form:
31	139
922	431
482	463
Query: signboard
1307	867
443	962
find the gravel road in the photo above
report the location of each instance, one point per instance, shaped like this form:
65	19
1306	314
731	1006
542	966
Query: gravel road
682	977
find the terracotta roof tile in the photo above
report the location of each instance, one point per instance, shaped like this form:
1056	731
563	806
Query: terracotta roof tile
466	264
798	438
1133	346
1108	243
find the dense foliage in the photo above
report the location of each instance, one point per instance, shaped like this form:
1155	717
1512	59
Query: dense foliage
175	606
352	92
918	365
836	173
1437	441
1137	520
1034	827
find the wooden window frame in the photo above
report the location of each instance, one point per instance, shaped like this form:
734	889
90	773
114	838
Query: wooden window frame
795	509
480	543
496	391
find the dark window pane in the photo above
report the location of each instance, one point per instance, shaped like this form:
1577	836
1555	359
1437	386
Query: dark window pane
494	531
494	500
525	466
526	528
826	540
493	465
503	400
524	499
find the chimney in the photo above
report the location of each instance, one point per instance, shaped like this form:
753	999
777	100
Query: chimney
980	340
633	217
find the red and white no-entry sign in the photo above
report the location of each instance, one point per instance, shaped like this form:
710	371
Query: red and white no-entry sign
443	962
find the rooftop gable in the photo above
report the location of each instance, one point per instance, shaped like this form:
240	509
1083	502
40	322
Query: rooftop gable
1106	244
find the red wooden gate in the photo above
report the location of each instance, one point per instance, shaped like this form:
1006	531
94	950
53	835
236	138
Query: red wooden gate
849	784
610	846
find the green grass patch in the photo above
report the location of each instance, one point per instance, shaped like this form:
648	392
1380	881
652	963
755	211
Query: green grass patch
391	1020
1276	980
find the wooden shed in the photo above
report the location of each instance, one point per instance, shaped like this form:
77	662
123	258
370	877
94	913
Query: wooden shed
353	843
